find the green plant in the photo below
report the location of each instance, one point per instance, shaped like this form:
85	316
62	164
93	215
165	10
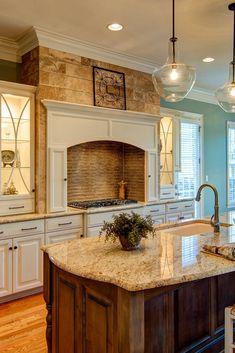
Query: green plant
131	226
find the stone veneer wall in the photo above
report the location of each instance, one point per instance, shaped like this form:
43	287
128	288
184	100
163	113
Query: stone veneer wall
96	168
68	77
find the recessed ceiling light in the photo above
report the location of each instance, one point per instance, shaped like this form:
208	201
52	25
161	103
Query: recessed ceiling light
115	27
208	60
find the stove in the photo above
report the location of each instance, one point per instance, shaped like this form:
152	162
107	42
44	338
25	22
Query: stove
100	203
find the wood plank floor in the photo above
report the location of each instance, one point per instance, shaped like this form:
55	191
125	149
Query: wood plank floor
23	325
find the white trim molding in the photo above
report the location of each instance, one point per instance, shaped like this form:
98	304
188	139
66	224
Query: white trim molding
202	95
9	50
12	50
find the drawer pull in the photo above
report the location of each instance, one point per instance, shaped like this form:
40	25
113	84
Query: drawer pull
15	207
153	211
10	248
166	193
32	228
182	217
187	206
64	224
15	247
173	208
2	232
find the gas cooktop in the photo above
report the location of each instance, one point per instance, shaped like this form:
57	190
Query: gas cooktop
100	203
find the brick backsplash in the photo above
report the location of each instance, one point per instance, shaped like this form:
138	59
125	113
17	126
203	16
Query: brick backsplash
96	168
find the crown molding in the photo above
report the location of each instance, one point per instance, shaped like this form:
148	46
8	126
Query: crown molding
202	95
13	50
8	50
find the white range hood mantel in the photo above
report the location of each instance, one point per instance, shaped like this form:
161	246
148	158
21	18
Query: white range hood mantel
70	124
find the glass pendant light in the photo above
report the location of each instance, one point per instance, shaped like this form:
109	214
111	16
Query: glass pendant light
174	80
226	94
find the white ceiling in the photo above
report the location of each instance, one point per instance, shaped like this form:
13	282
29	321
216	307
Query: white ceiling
204	28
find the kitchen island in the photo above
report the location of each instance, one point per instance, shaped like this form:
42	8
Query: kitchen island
166	297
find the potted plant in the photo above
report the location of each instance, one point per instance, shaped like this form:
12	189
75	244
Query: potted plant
129	228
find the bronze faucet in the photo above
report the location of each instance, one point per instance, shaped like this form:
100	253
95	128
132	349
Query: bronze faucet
215	217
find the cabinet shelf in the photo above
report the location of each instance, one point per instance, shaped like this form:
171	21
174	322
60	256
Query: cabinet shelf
13	140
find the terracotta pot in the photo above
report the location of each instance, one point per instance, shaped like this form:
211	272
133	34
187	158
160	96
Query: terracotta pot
126	245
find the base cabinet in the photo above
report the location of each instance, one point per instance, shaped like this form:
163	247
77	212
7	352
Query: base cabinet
27	262
21	264
5	267
90	316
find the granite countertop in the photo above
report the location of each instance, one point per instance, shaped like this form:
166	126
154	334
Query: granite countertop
34	216
165	260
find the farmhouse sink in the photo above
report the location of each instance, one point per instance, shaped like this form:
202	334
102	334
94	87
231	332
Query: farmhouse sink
190	229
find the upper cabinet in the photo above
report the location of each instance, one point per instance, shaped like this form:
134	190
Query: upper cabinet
17	148
170	160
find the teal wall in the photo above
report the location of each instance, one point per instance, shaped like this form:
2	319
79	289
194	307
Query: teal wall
214	146
9	71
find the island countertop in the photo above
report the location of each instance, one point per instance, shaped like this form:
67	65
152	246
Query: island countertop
165	260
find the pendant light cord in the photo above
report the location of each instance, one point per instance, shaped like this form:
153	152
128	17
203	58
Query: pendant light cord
233	63
173	39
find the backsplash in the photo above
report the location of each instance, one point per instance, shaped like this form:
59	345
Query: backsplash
96	168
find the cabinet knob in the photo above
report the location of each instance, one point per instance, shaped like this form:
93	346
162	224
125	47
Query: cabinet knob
15	247
65	179
10	248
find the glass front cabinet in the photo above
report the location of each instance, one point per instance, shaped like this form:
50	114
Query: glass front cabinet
169	155
17	148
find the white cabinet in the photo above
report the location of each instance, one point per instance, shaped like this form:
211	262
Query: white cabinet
181	210
152	176
94	221
21	265
5	267
57	181
27	262
59	229
16	148
58	237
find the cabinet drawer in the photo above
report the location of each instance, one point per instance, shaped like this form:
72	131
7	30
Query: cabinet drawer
66	222
187	205
173	217
97	219
16	206
159	219
22	228
154	210
173	207
93	231
59	237
167	193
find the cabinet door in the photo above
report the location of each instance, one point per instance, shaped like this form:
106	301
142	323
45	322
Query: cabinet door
173	217
187	215
59	237
177	144
27	262
57	183
152	176
5	267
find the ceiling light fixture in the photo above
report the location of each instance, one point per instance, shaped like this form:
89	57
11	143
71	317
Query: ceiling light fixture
174	80
208	60
115	27
226	94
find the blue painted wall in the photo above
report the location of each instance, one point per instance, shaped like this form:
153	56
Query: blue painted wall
214	146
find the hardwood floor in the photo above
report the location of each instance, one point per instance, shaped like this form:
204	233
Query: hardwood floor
22	326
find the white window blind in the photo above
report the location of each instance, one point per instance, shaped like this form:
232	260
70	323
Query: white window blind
231	163
188	179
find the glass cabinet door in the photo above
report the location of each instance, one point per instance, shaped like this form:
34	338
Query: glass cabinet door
15	145
166	152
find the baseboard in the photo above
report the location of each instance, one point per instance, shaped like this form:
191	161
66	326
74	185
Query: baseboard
19	295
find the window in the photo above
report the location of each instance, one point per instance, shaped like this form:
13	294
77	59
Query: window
230	164
188	178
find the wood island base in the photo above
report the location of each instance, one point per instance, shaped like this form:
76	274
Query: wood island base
86	316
